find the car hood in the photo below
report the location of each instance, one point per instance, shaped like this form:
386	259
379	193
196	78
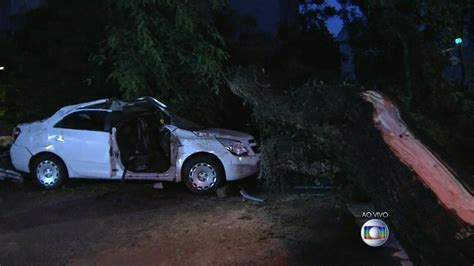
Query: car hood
225	133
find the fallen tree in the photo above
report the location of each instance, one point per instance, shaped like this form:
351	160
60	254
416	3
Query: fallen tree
319	130
431	170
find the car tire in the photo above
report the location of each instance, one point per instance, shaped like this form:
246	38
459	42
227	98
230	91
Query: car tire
203	174
48	171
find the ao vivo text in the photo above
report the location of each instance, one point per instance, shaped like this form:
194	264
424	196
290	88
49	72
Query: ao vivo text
374	214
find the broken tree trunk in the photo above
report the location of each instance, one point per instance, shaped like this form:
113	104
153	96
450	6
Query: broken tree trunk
333	125
431	170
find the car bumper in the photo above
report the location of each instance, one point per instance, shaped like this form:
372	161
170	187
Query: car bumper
20	157
241	167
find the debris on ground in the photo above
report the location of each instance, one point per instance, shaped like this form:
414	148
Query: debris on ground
7	173
158	185
10	175
247	196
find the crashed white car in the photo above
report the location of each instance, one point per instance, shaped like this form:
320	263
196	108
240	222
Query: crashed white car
140	140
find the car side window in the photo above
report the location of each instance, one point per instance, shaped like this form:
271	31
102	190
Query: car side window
112	120
84	120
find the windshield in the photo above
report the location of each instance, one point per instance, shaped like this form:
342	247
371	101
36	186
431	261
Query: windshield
183	123
174	119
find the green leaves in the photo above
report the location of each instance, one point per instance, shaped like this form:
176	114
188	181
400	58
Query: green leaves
164	48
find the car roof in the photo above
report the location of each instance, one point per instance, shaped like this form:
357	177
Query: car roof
155	101
107	104
69	108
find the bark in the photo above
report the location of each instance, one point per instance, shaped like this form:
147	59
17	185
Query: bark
338	123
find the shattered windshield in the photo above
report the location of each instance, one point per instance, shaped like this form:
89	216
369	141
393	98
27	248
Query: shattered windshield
169	116
183	123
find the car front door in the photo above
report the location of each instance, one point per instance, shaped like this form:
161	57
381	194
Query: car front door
82	140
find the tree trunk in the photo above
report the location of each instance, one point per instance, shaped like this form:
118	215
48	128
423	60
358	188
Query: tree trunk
336	121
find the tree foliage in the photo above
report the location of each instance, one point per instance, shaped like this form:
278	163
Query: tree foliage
67	52
169	49
397	47
399	43
308	50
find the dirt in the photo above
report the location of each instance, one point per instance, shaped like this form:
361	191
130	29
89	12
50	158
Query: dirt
110	223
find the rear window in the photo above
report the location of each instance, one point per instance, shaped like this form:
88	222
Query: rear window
84	120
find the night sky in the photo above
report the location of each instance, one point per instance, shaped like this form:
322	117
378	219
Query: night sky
335	23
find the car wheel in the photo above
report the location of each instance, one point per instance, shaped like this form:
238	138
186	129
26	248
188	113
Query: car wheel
48	171
203	174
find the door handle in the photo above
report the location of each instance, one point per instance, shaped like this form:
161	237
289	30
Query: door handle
59	138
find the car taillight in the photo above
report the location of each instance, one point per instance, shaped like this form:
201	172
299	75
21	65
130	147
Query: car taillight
16	133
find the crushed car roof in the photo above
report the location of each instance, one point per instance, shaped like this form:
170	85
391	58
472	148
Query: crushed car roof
109	104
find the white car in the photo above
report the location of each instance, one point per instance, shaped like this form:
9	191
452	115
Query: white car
140	140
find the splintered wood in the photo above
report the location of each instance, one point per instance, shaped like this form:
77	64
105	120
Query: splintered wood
431	170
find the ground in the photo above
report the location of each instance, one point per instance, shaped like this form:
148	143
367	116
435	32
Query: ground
110	223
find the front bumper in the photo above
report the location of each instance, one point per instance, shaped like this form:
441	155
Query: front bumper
241	167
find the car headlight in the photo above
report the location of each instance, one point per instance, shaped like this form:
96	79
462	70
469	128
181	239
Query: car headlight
234	146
